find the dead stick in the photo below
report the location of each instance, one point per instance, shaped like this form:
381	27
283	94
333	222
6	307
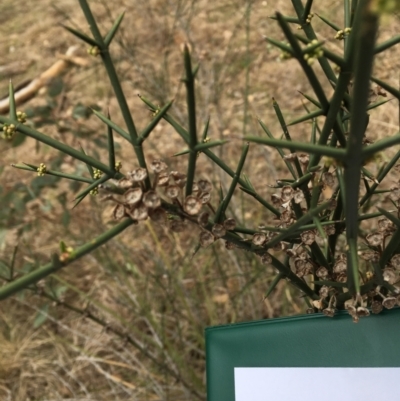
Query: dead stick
31	88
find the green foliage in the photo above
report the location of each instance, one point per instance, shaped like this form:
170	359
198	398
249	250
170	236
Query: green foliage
317	244
41	316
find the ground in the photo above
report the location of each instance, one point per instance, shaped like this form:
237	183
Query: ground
151	298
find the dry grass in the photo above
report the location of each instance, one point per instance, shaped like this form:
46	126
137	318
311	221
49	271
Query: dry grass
152	298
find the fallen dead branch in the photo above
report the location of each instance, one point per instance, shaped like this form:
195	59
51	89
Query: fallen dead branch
30	88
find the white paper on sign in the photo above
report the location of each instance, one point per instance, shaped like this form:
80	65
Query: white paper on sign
309	384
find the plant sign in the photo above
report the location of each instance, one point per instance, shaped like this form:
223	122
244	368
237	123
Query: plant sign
305	358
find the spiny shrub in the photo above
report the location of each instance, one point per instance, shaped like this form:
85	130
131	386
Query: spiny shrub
316	242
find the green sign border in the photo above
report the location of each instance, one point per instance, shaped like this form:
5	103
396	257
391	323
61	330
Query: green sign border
301	341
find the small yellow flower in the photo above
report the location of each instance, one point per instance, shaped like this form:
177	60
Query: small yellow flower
156	111
342	33
93	51
8	131
41	170
339	35
21	116
96	174
314	54
118	166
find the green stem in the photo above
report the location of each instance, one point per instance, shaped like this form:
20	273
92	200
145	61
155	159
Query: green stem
309	31
380	145
224	204
115	83
191	105
279	150
338	154
55	265
286	133
59	146
30	167
294	279
353	164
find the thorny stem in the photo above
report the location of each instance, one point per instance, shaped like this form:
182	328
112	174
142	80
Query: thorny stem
57	264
